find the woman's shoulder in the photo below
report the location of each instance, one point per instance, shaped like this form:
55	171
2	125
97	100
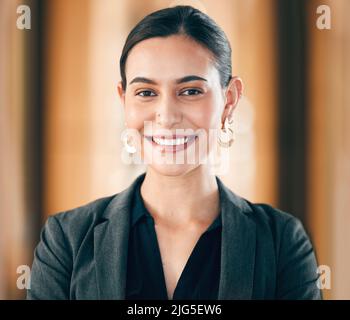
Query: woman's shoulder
74	224
264	213
283	226
296	263
265	218
88	212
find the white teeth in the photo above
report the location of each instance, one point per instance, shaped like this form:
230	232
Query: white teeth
170	142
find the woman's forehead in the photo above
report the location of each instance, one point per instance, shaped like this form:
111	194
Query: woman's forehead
174	55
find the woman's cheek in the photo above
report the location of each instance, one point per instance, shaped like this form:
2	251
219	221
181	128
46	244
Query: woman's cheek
205	116
134	117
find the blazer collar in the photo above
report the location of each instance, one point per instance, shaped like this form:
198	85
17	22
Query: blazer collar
237	246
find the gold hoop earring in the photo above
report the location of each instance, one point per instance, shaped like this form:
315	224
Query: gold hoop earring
129	148
226	136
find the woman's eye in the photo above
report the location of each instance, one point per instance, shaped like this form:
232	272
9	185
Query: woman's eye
145	93
191	92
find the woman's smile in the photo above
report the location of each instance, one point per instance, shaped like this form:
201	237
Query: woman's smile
172	143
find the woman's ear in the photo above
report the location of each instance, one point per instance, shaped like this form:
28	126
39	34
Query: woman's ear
121	92
232	95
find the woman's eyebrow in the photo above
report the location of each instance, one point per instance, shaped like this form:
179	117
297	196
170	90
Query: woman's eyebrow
142	80
177	81
189	78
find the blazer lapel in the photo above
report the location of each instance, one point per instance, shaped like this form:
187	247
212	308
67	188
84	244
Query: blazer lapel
238	247
111	246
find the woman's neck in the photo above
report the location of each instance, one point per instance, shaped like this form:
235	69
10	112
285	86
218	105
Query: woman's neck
181	200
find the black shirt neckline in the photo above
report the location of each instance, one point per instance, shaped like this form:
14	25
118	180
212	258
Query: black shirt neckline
199	278
140	211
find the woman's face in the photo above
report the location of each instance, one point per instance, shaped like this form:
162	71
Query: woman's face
173	91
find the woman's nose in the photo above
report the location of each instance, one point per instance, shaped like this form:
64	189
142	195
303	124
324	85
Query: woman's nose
168	113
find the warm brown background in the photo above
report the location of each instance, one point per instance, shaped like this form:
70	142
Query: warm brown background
61	119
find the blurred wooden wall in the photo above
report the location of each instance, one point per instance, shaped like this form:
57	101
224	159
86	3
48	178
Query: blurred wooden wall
329	143
68	121
15	233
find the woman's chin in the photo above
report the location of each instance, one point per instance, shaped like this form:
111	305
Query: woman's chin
173	169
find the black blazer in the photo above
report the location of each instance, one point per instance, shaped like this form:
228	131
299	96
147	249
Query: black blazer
82	253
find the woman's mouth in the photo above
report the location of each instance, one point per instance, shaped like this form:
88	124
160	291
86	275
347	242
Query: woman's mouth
171	144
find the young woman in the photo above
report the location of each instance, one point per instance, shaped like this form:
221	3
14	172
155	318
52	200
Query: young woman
177	232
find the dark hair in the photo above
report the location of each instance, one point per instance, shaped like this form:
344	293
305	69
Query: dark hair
187	21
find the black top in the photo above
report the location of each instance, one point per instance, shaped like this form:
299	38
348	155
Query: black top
199	279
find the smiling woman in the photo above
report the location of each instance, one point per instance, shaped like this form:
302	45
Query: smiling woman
177	232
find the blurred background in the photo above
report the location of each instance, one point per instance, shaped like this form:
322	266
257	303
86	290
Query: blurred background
61	119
